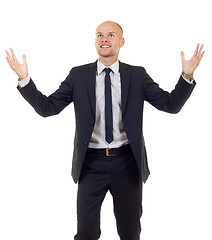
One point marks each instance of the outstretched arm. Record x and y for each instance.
(174, 101)
(45, 106)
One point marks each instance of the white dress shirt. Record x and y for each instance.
(119, 135)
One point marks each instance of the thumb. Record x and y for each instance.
(182, 56)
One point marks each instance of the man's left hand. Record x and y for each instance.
(192, 64)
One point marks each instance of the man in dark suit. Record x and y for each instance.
(109, 148)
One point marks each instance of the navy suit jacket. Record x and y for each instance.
(136, 87)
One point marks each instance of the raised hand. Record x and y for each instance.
(192, 64)
(20, 69)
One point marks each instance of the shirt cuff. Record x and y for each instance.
(22, 83)
(189, 81)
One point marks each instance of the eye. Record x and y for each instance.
(111, 35)
(99, 35)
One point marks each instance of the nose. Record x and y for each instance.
(105, 39)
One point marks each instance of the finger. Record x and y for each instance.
(182, 56)
(201, 56)
(8, 55)
(200, 51)
(10, 62)
(24, 59)
(196, 50)
(13, 55)
(7, 52)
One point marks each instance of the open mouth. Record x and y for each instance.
(105, 46)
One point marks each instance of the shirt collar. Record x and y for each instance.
(114, 67)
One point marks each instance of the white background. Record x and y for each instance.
(37, 194)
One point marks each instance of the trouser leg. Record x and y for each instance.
(126, 189)
(92, 188)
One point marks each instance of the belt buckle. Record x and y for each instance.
(108, 154)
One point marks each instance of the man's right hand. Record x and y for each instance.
(20, 69)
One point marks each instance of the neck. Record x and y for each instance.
(107, 61)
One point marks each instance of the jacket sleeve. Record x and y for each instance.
(163, 100)
(53, 104)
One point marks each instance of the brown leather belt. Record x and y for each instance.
(110, 152)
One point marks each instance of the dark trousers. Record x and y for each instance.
(119, 175)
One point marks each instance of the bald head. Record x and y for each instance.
(115, 25)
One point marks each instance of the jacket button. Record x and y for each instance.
(92, 123)
(86, 143)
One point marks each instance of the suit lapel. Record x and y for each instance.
(90, 76)
(125, 82)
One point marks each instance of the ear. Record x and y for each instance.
(122, 42)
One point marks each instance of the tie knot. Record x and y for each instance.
(107, 70)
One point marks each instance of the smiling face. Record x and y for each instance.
(109, 40)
